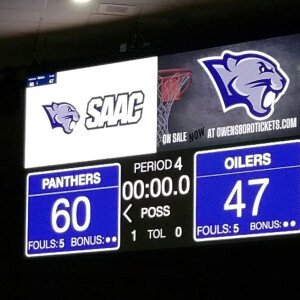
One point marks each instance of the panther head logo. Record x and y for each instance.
(249, 79)
(62, 115)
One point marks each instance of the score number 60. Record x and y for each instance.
(70, 218)
(237, 190)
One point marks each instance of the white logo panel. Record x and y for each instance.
(117, 101)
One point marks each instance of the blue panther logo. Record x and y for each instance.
(62, 115)
(249, 79)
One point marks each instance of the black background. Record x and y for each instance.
(255, 268)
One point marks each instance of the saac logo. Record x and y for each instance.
(62, 115)
(107, 111)
(249, 79)
(115, 110)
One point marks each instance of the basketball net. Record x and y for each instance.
(171, 85)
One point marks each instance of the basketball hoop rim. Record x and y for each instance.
(167, 71)
(169, 78)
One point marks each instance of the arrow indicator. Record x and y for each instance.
(125, 213)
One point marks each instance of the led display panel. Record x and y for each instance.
(174, 151)
(238, 94)
(92, 113)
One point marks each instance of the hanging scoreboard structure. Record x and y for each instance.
(165, 152)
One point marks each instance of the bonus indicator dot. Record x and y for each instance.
(285, 224)
(107, 240)
(293, 223)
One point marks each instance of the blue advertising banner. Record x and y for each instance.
(247, 191)
(75, 210)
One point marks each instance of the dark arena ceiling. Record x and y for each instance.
(56, 32)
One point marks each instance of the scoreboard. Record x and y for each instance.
(84, 210)
(247, 191)
(164, 152)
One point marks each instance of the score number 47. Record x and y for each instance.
(237, 191)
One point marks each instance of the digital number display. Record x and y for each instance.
(41, 80)
(247, 191)
(73, 210)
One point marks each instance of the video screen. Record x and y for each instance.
(165, 152)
